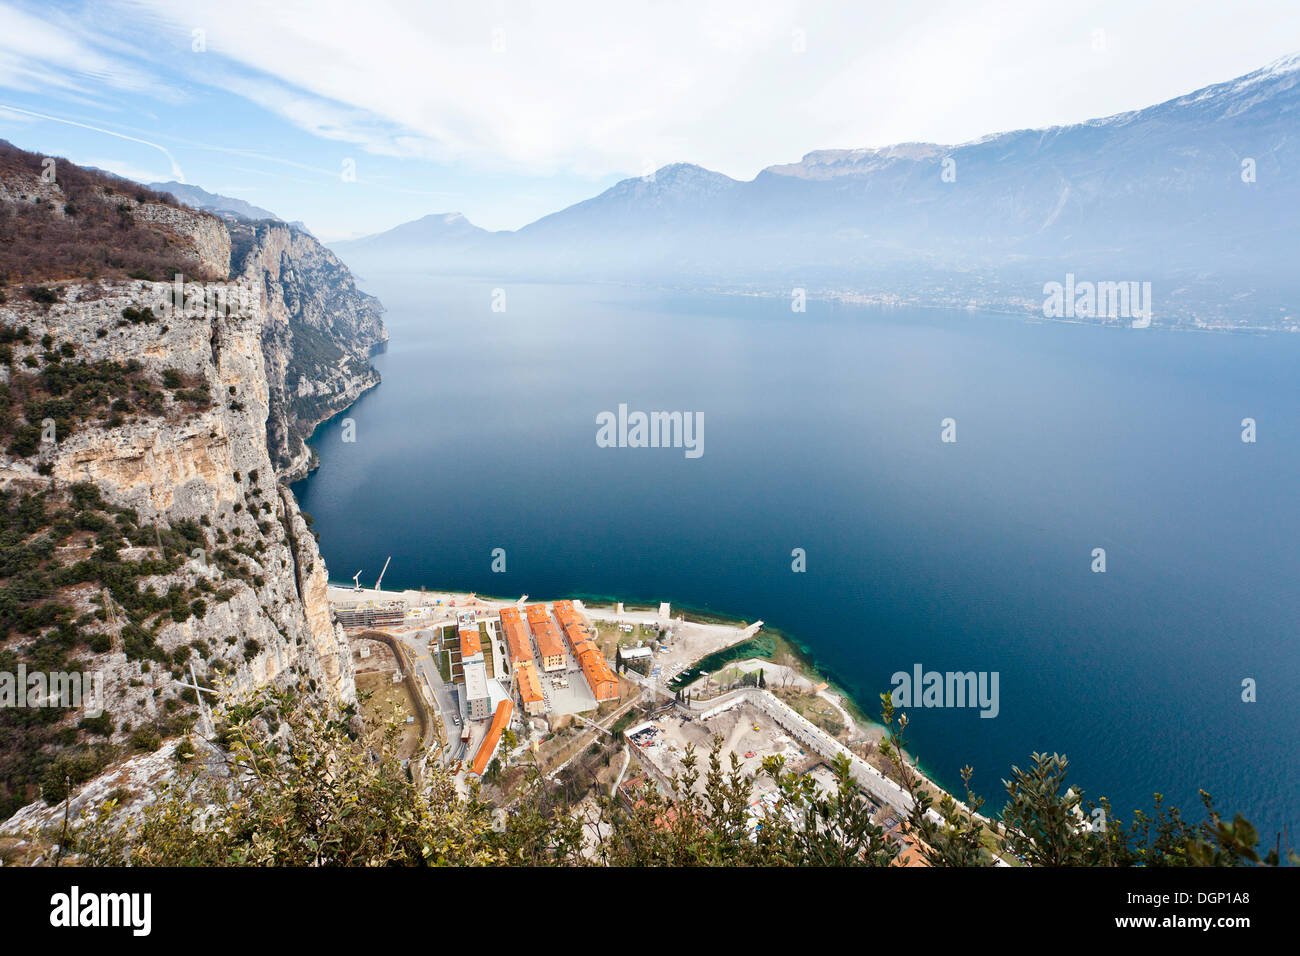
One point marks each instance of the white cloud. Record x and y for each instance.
(44, 53)
(594, 88)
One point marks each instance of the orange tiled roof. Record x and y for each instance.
(910, 855)
(602, 680)
(565, 614)
(578, 640)
(516, 636)
(470, 644)
(548, 638)
(530, 689)
(489, 745)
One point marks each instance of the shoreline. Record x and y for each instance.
(805, 664)
(851, 299)
(809, 666)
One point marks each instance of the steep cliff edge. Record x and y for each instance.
(143, 530)
(317, 337)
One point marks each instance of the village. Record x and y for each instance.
(604, 699)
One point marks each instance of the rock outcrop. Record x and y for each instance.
(212, 465)
(150, 511)
(318, 334)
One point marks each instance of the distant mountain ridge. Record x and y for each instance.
(1192, 194)
(431, 230)
(227, 207)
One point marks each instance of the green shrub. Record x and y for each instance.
(145, 740)
(101, 725)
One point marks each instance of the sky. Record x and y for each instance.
(354, 117)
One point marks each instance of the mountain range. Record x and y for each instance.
(224, 207)
(1194, 195)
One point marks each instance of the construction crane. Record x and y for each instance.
(381, 574)
(356, 581)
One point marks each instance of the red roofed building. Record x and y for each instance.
(516, 636)
(530, 689)
(470, 645)
(600, 677)
(488, 748)
(565, 614)
(549, 643)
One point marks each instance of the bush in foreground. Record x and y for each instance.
(306, 790)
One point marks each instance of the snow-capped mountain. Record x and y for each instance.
(671, 195)
(1197, 193)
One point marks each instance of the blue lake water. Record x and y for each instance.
(822, 432)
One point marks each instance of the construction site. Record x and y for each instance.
(754, 726)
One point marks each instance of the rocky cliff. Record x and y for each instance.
(144, 530)
(318, 333)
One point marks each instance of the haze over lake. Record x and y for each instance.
(822, 432)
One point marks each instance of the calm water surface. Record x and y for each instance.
(822, 432)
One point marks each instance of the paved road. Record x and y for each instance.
(442, 696)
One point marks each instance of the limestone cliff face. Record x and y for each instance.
(206, 234)
(145, 431)
(213, 465)
(318, 333)
(18, 188)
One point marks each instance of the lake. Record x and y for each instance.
(822, 431)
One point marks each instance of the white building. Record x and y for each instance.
(478, 701)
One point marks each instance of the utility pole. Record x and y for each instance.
(109, 614)
(207, 729)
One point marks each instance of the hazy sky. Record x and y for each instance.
(508, 111)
